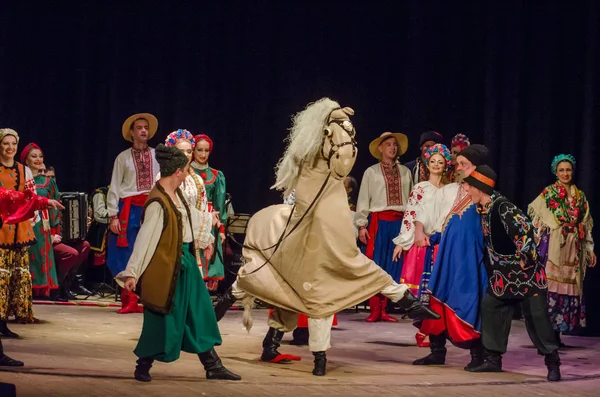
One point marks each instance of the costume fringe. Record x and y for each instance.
(247, 303)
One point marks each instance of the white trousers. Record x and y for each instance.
(319, 329)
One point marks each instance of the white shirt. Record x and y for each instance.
(373, 195)
(127, 181)
(100, 210)
(428, 205)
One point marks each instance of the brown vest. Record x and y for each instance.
(21, 234)
(157, 284)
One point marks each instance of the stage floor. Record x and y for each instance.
(87, 351)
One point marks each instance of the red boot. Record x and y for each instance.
(375, 307)
(131, 306)
(384, 316)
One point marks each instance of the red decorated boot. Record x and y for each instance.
(375, 307)
(384, 316)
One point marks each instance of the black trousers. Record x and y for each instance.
(497, 316)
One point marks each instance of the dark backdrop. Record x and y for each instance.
(520, 76)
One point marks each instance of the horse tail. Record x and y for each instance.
(248, 303)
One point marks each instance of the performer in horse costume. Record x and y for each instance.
(304, 258)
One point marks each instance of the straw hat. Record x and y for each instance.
(400, 138)
(152, 125)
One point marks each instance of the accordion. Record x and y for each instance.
(74, 216)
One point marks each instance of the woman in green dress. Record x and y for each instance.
(214, 183)
(42, 265)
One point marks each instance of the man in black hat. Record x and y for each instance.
(417, 167)
(514, 276)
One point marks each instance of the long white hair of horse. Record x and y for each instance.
(303, 142)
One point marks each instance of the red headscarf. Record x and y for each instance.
(28, 148)
(206, 138)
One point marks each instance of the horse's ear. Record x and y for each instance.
(348, 111)
(328, 132)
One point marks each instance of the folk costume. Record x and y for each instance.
(509, 240)
(215, 187)
(15, 239)
(458, 278)
(417, 167)
(459, 143)
(16, 207)
(98, 232)
(382, 200)
(563, 227)
(178, 312)
(316, 269)
(42, 265)
(132, 179)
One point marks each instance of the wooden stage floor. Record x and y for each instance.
(87, 351)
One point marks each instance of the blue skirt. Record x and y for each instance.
(384, 247)
(117, 257)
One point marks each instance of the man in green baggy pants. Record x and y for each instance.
(178, 312)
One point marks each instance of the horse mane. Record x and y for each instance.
(303, 142)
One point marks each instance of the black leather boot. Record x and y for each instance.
(552, 362)
(477, 357)
(6, 361)
(223, 304)
(437, 344)
(492, 363)
(214, 368)
(558, 340)
(142, 370)
(320, 364)
(414, 308)
(270, 345)
(300, 337)
(7, 333)
(77, 287)
(64, 287)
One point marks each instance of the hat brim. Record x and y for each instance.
(477, 184)
(152, 125)
(400, 138)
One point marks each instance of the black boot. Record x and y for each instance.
(142, 370)
(320, 364)
(214, 368)
(6, 361)
(64, 287)
(552, 362)
(476, 357)
(223, 304)
(270, 345)
(558, 340)
(414, 308)
(492, 363)
(300, 337)
(7, 333)
(77, 287)
(437, 344)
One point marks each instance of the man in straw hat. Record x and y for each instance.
(382, 199)
(178, 312)
(132, 179)
(514, 276)
(417, 167)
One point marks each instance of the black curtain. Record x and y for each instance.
(519, 76)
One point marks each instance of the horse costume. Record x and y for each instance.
(304, 259)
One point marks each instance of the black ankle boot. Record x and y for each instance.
(270, 345)
(142, 370)
(492, 363)
(223, 304)
(320, 364)
(77, 287)
(558, 340)
(6, 361)
(214, 368)
(414, 308)
(7, 333)
(300, 337)
(476, 358)
(437, 344)
(552, 362)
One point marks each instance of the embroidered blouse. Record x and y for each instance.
(133, 173)
(382, 189)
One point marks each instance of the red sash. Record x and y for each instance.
(138, 201)
(389, 216)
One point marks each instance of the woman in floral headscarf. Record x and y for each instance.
(561, 216)
(428, 205)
